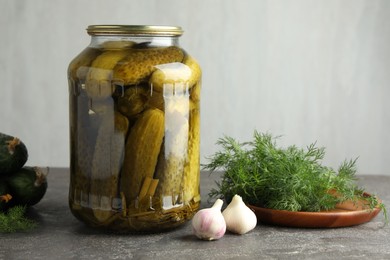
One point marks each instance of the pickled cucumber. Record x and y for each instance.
(84, 130)
(187, 73)
(142, 149)
(140, 63)
(117, 45)
(98, 82)
(191, 178)
(195, 93)
(155, 100)
(13, 154)
(170, 169)
(133, 101)
(79, 66)
(106, 164)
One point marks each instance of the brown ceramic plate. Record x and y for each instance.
(344, 215)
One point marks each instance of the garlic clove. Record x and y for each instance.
(209, 224)
(238, 217)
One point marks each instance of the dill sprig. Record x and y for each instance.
(293, 179)
(14, 220)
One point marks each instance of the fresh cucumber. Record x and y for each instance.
(27, 186)
(5, 197)
(13, 154)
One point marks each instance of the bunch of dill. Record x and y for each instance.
(285, 179)
(14, 220)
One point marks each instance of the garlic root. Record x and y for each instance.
(238, 217)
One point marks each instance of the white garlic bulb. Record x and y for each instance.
(238, 217)
(209, 224)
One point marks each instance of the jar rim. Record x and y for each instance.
(153, 30)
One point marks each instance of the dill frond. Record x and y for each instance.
(14, 220)
(291, 178)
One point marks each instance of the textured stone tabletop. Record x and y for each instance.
(61, 236)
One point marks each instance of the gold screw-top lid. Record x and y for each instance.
(153, 30)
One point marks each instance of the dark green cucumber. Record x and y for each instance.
(27, 186)
(5, 197)
(13, 154)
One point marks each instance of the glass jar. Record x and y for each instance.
(134, 97)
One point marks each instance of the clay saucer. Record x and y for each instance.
(344, 215)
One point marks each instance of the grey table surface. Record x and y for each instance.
(61, 236)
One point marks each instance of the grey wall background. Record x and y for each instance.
(307, 70)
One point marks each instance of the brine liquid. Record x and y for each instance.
(134, 136)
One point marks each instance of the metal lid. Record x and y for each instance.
(152, 30)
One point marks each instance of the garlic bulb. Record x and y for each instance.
(239, 218)
(209, 224)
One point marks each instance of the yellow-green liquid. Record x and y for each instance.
(134, 138)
